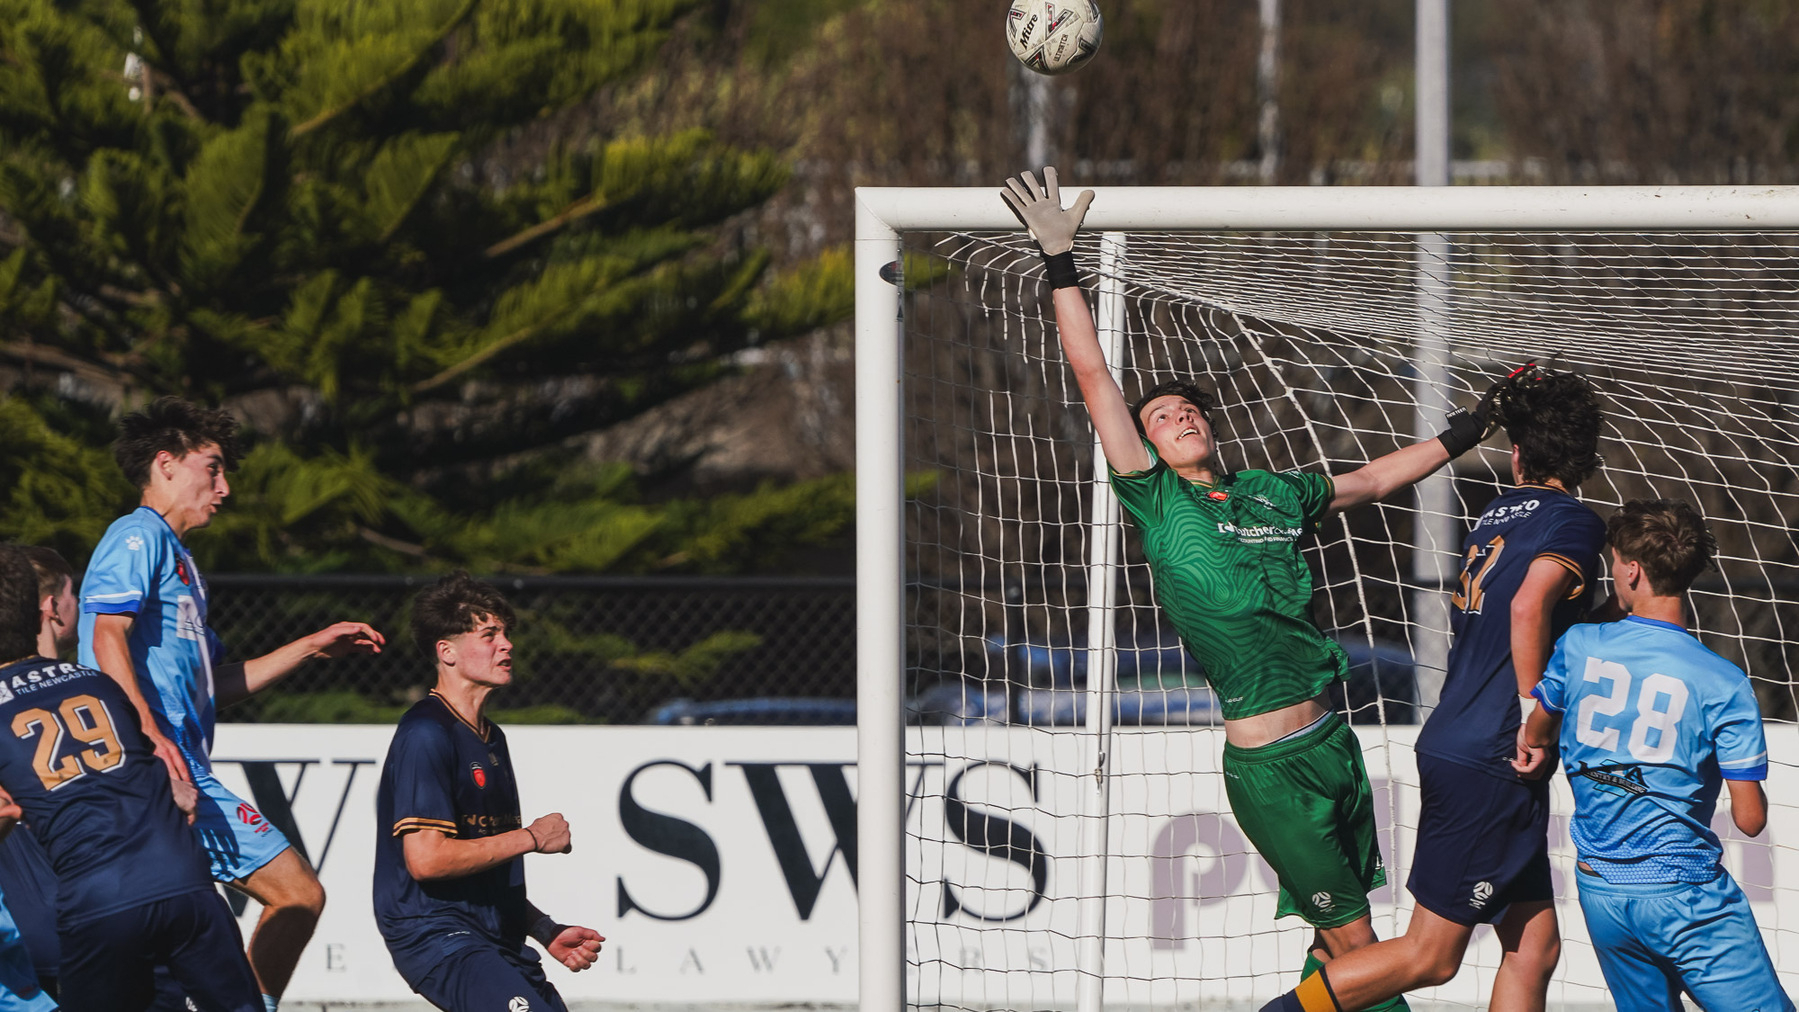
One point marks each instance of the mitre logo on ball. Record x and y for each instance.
(1054, 36)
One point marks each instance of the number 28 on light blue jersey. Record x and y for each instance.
(1652, 723)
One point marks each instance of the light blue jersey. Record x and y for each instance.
(1652, 724)
(141, 568)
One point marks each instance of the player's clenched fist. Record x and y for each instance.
(576, 947)
(551, 834)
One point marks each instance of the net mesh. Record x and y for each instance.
(1324, 354)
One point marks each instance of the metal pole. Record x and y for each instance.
(1268, 80)
(1438, 528)
(1102, 658)
(880, 619)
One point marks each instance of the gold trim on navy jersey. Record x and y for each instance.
(408, 825)
(1580, 578)
(484, 733)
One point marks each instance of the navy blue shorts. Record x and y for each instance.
(1483, 843)
(481, 978)
(108, 964)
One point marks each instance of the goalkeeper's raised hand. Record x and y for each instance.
(1050, 224)
(1468, 428)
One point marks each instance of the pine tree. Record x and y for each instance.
(295, 207)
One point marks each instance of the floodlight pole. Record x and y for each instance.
(1436, 532)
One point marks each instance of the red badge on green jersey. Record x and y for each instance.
(1220, 496)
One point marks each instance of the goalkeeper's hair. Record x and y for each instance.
(454, 605)
(1553, 418)
(175, 425)
(1185, 389)
(19, 613)
(1667, 537)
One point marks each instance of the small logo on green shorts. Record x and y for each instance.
(1323, 901)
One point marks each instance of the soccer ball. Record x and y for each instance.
(1054, 36)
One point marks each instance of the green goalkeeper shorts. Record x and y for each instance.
(1306, 805)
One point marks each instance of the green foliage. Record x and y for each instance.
(310, 203)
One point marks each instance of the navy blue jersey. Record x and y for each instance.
(444, 775)
(98, 799)
(1476, 719)
(29, 884)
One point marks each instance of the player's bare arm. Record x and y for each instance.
(1748, 806)
(1054, 228)
(431, 855)
(1383, 476)
(1542, 728)
(112, 651)
(1545, 583)
(235, 682)
(571, 945)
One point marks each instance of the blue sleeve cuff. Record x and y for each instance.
(1751, 773)
(1537, 691)
(110, 607)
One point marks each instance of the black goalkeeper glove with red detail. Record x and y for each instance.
(1468, 428)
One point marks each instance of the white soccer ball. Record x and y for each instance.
(1054, 36)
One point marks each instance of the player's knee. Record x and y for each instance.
(1436, 969)
(311, 897)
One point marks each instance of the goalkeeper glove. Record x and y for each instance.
(1468, 428)
(1041, 211)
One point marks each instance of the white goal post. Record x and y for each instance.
(1120, 215)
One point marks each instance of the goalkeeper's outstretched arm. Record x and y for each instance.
(1054, 228)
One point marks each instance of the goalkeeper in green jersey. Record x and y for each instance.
(1224, 550)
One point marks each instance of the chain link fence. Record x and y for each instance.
(587, 649)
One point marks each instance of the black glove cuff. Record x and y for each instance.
(1062, 270)
(1465, 432)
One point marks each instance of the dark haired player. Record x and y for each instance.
(1224, 549)
(25, 872)
(1529, 566)
(143, 621)
(449, 858)
(133, 889)
(1657, 724)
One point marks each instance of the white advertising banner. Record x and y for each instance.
(719, 863)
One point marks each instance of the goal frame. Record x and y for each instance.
(884, 213)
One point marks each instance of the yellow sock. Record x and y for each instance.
(1314, 994)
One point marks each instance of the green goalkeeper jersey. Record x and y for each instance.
(1230, 575)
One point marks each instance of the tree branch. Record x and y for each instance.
(327, 115)
(573, 212)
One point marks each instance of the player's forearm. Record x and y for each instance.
(1385, 475)
(1541, 728)
(1105, 402)
(433, 856)
(258, 673)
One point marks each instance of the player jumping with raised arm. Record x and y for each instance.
(1529, 567)
(1656, 724)
(133, 890)
(143, 621)
(1224, 550)
(450, 849)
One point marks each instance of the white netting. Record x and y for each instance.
(1312, 344)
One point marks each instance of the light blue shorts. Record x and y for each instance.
(1656, 939)
(235, 836)
(19, 991)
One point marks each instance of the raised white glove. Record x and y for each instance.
(1041, 210)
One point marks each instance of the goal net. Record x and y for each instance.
(1066, 841)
